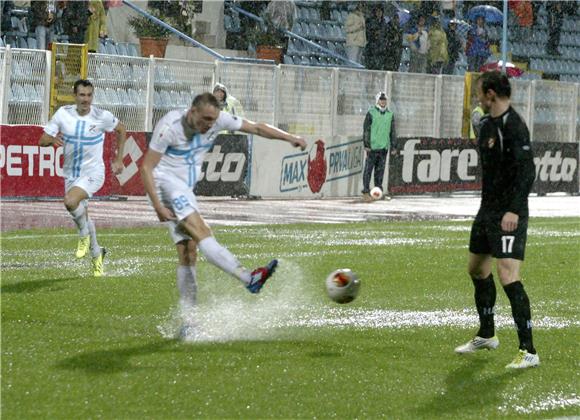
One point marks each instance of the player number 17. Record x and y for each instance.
(507, 244)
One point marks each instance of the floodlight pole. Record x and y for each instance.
(504, 37)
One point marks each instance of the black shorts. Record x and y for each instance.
(487, 236)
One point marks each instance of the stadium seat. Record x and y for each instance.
(18, 94)
(111, 97)
(31, 94)
(100, 96)
(122, 49)
(31, 43)
(132, 50)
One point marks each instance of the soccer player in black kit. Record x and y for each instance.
(500, 227)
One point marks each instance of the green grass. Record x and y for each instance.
(78, 347)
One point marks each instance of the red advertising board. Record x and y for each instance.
(28, 170)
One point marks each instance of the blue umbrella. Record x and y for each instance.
(490, 13)
(404, 16)
(463, 27)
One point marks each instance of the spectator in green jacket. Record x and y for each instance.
(97, 25)
(378, 137)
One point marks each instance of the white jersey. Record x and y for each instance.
(182, 157)
(83, 138)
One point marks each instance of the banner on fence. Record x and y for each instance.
(327, 168)
(423, 165)
(225, 167)
(28, 170)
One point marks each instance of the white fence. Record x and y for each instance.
(314, 102)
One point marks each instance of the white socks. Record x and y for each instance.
(187, 286)
(224, 259)
(79, 216)
(95, 248)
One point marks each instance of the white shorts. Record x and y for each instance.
(178, 197)
(88, 183)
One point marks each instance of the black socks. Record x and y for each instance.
(485, 301)
(522, 314)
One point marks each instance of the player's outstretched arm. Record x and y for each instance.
(48, 140)
(150, 161)
(270, 132)
(121, 133)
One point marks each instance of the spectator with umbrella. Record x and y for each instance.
(477, 48)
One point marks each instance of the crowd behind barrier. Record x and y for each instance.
(314, 102)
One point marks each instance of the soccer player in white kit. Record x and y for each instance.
(170, 171)
(80, 129)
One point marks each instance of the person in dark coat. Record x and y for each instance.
(75, 20)
(454, 47)
(42, 15)
(375, 51)
(394, 44)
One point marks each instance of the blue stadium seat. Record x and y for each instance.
(122, 49)
(111, 97)
(31, 93)
(100, 96)
(18, 93)
(132, 50)
(32, 43)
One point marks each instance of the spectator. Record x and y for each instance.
(356, 38)
(42, 15)
(97, 25)
(438, 55)
(477, 48)
(475, 123)
(378, 136)
(522, 10)
(376, 33)
(228, 103)
(75, 17)
(394, 44)
(448, 9)
(6, 24)
(454, 47)
(280, 16)
(418, 38)
(555, 18)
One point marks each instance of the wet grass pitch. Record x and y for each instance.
(78, 347)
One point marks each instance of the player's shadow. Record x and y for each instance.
(114, 360)
(468, 387)
(120, 359)
(35, 285)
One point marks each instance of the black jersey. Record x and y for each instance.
(507, 163)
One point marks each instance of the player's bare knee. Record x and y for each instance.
(508, 270)
(70, 203)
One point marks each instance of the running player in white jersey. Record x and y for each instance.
(169, 172)
(80, 129)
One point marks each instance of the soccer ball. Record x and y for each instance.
(342, 285)
(376, 193)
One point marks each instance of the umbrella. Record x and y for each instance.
(490, 13)
(462, 28)
(511, 69)
(404, 16)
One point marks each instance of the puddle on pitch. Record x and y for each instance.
(552, 401)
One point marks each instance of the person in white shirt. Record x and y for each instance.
(169, 172)
(80, 130)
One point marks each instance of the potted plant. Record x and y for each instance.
(153, 37)
(269, 43)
